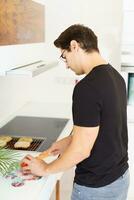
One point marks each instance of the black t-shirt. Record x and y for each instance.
(100, 99)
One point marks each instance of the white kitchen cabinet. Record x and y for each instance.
(127, 57)
(131, 159)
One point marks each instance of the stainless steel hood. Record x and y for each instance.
(31, 69)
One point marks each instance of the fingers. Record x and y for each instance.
(25, 167)
(26, 170)
(26, 161)
(25, 164)
(55, 152)
(29, 157)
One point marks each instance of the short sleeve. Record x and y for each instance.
(86, 107)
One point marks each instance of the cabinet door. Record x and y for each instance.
(131, 159)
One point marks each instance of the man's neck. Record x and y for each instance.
(92, 60)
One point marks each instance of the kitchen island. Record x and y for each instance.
(39, 189)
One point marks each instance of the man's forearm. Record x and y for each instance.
(68, 139)
(68, 159)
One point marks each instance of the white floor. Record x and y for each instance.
(66, 184)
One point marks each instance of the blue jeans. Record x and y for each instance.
(117, 190)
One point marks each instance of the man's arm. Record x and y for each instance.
(82, 142)
(59, 147)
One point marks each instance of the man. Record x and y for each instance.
(98, 143)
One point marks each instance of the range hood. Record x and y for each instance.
(31, 69)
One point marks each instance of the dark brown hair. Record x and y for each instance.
(82, 34)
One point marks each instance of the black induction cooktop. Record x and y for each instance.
(47, 129)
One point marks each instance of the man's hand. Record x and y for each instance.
(34, 166)
(60, 146)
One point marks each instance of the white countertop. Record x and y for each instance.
(39, 189)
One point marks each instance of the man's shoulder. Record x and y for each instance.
(85, 89)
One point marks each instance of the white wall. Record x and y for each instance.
(105, 17)
(13, 94)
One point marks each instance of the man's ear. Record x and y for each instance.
(74, 45)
